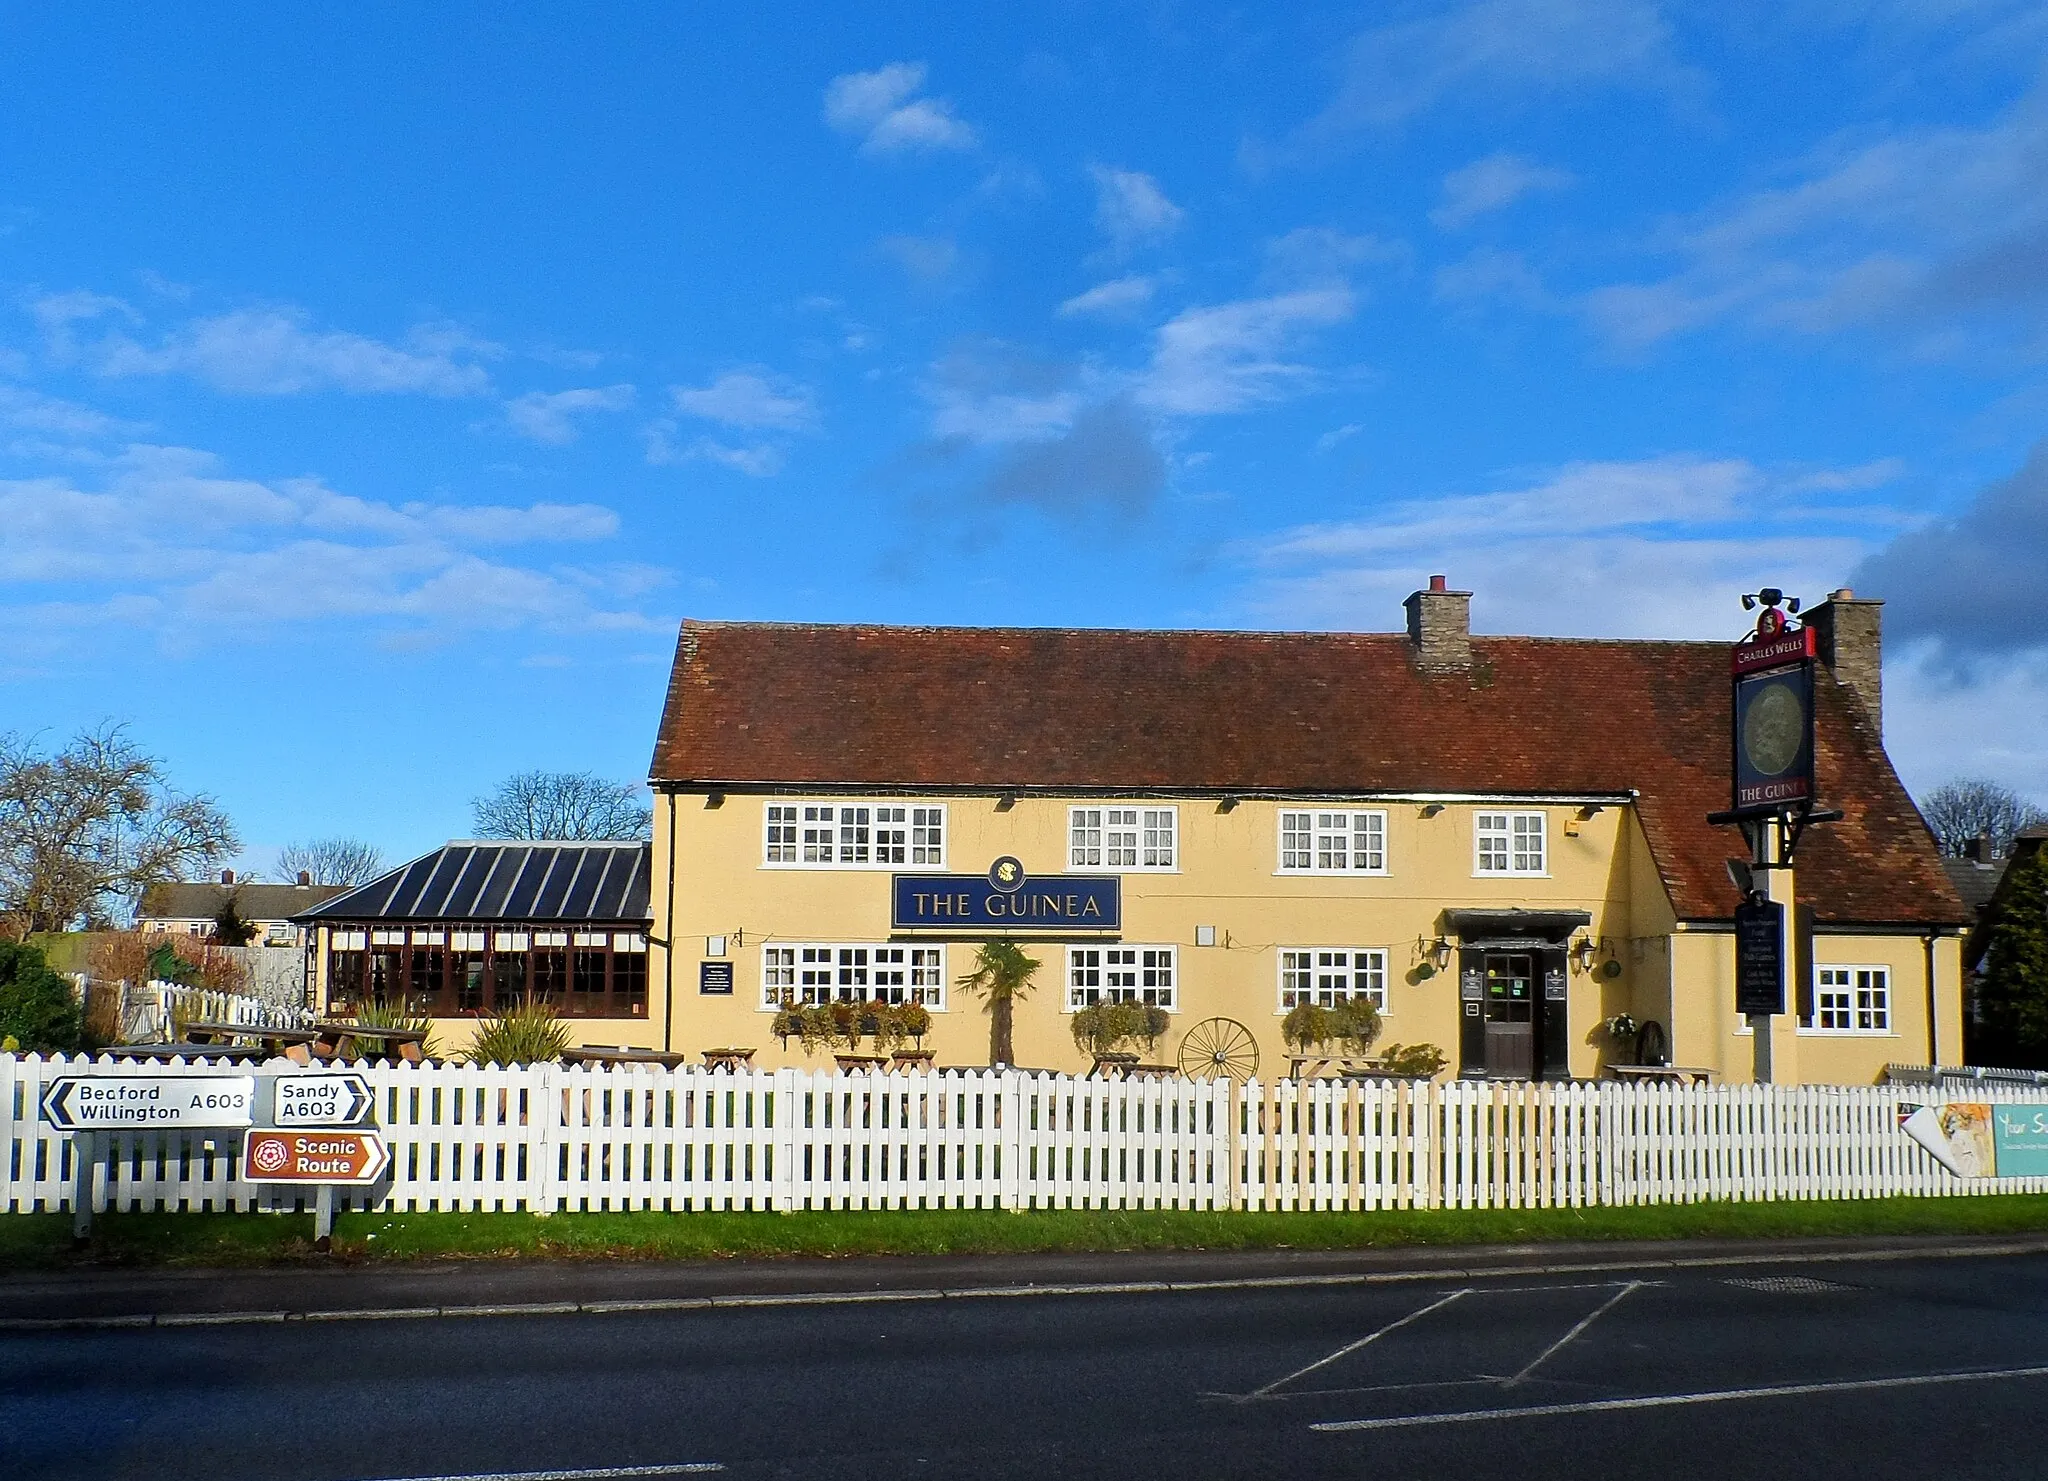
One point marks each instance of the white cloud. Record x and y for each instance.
(274, 352)
(1227, 357)
(924, 259)
(882, 108)
(550, 416)
(1317, 256)
(1488, 275)
(1118, 296)
(1131, 209)
(1659, 547)
(1498, 50)
(1937, 234)
(751, 399)
(1331, 439)
(760, 461)
(1489, 184)
(165, 544)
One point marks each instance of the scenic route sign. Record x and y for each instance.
(142, 1101)
(314, 1157)
(321, 1100)
(1981, 1139)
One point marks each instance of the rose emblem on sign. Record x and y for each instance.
(270, 1156)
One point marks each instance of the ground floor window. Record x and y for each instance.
(803, 973)
(1328, 975)
(1121, 974)
(441, 971)
(1852, 1000)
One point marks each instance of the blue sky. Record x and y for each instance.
(379, 385)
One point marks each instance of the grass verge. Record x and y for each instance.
(43, 1241)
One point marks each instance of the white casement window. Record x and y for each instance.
(1852, 1000)
(1507, 843)
(853, 835)
(1320, 842)
(1329, 975)
(781, 833)
(1125, 974)
(1123, 838)
(806, 973)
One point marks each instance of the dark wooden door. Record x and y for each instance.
(1512, 986)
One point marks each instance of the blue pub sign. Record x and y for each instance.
(1006, 899)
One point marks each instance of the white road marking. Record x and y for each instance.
(1665, 1401)
(1351, 1347)
(1591, 1317)
(601, 1473)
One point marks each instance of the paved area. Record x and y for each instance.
(1867, 1369)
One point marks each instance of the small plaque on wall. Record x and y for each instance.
(714, 979)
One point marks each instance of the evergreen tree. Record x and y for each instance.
(2015, 992)
(38, 1009)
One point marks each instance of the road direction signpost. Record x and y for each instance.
(321, 1100)
(89, 1106)
(324, 1159)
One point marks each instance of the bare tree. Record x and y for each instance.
(90, 827)
(562, 804)
(1972, 807)
(347, 861)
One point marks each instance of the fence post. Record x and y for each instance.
(542, 1106)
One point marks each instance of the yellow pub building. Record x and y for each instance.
(1502, 842)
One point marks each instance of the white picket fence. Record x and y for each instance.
(554, 1138)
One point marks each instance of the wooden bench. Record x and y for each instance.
(240, 1053)
(1661, 1074)
(292, 1043)
(607, 1054)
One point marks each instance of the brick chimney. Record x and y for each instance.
(1440, 629)
(227, 876)
(1851, 637)
(305, 878)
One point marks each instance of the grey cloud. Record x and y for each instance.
(1106, 458)
(1976, 583)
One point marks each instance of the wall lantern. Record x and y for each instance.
(1436, 955)
(1582, 953)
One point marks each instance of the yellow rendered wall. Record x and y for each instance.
(1228, 879)
(1711, 1034)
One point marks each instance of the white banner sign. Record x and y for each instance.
(145, 1100)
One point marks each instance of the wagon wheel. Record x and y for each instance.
(1219, 1046)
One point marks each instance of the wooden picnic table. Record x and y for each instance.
(1312, 1066)
(913, 1059)
(620, 1054)
(728, 1059)
(189, 1051)
(859, 1064)
(1127, 1067)
(410, 1043)
(1662, 1074)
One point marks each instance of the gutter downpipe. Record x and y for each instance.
(668, 949)
(1933, 1005)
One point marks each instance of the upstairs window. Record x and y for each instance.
(1508, 843)
(1320, 842)
(1123, 838)
(853, 835)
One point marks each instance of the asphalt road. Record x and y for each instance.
(1923, 1369)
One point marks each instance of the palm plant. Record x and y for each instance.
(1002, 973)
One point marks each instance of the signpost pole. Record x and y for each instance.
(1775, 1061)
(85, 1156)
(323, 1217)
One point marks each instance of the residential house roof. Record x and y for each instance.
(254, 902)
(499, 879)
(767, 706)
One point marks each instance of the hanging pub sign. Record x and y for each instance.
(1773, 720)
(1006, 899)
(1759, 957)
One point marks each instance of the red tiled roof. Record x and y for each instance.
(999, 709)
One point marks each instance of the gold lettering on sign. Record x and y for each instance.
(1091, 907)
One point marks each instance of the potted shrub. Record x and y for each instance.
(1108, 1030)
(1413, 1061)
(911, 1021)
(816, 1026)
(529, 1032)
(1307, 1028)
